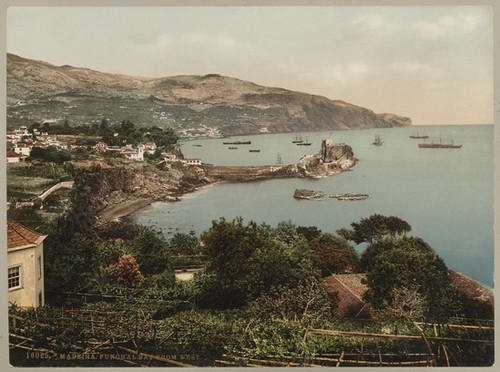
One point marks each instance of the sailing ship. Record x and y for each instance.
(297, 139)
(439, 145)
(304, 143)
(279, 161)
(377, 141)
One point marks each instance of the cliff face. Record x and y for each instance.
(38, 91)
(110, 192)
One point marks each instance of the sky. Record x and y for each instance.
(433, 64)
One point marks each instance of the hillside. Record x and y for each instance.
(38, 91)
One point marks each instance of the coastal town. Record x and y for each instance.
(22, 142)
(92, 184)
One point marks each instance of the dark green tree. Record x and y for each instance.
(152, 255)
(244, 261)
(410, 263)
(309, 232)
(332, 254)
(374, 228)
(185, 244)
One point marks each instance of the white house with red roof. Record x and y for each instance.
(14, 157)
(25, 265)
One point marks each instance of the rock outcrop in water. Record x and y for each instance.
(332, 159)
(308, 194)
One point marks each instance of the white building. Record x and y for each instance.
(23, 149)
(194, 161)
(133, 154)
(25, 266)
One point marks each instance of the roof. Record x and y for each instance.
(13, 154)
(349, 289)
(353, 283)
(471, 287)
(19, 236)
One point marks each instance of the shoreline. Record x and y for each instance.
(133, 205)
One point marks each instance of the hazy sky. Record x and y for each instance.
(431, 63)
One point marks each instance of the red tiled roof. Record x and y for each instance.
(20, 236)
(13, 154)
(471, 287)
(350, 290)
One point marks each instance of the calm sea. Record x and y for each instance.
(445, 194)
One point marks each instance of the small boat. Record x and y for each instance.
(418, 136)
(439, 145)
(350, 196)
(237, 143)
(297, 139)
(232, 148)
(197, 145)
(253, 150)
(377, 141)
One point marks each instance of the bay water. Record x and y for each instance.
(446, 195)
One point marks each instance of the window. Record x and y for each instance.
(39, 267)
(14, 277)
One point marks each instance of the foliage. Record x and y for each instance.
(407, 262)
(245, 261)
(123, 229)
(55, 172)
(151, 252)
(126, 272)
(50, 154)
(375, 228)
(333, 255)
(70, 265)
(200, 336)
(184, 244)
(308, 303)
(309, 232)
(407, 302)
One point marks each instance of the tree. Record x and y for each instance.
(125, 272)
(374, 228)
(309, 232)
(333, 255)
(407, 303)
(407, 263)
(70, 265)
(151, 253)
(50, 154)
(185, 244)
(244, 261)
(307, 302)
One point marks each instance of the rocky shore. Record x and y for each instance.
(124, 191)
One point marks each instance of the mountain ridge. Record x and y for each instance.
(38, 91)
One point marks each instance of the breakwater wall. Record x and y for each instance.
(249, 173)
